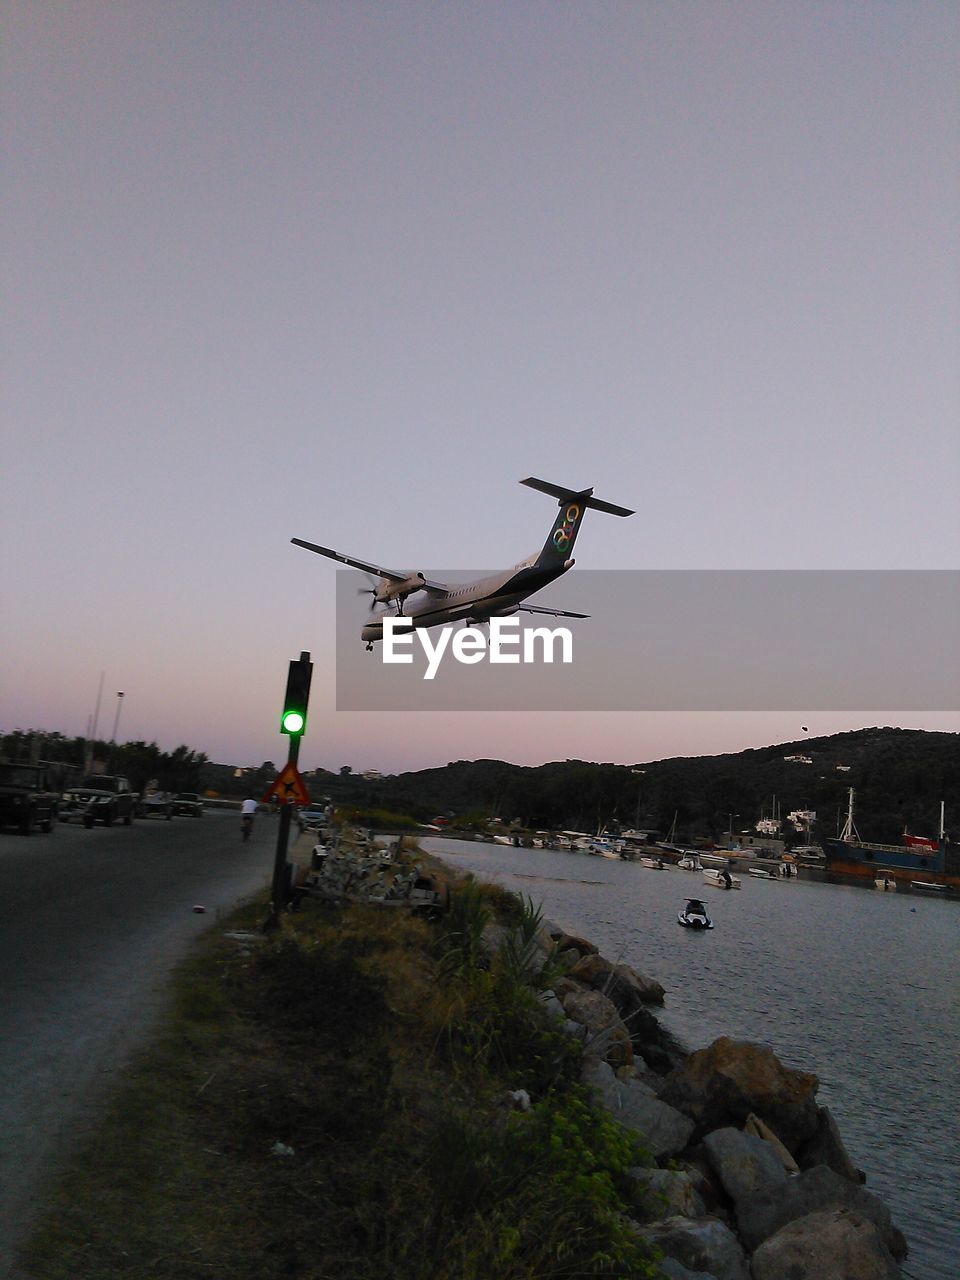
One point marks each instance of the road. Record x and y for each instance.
(91, 923)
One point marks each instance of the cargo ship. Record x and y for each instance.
(919, 862)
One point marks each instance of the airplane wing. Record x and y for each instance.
(557, 613)
(391, 575)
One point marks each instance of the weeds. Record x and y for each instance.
(325, 1105)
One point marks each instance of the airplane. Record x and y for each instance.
(499, 595)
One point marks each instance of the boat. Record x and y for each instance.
(690, 862)
(849, 859)
(761, 873)
(600, 847)
(694, 915)
(927, 886)
(718, 859)
(720, 878)
(885, 883)
(809, 854)
(655, 864)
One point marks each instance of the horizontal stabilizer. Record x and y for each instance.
(580, 495)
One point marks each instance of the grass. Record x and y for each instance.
(328, 1104)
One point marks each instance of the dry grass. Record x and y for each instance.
(335, 1040)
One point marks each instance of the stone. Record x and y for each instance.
(581, 945)
(756, 1126)
(810, 1192)
(826, 1147)
(625, 986)
(607, 1036)
(662, 1130)
(746, 1166)
(552, 1004)
(699, 1244)
(833, 1242)
(722, 1084)
(667, 1193)
(673, 1270)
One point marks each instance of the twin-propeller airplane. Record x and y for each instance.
(497, 596)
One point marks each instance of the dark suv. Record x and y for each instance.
(100, 798)
(25, 801)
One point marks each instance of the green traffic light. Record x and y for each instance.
(293, 722)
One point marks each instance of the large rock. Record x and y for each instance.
(607, 1037)
(667, 1193)
(674, 1270)
(826, 1147)
(627, 988)
(810, 1192)
(747, 1166)
(833, 1242)
(722, 1084)
(568, 941)
(700, 1244)
(662, 1130)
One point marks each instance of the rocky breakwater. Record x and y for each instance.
(751, 1177)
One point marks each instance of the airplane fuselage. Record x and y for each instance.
(497, 595)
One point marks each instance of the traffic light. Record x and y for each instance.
(294, 718)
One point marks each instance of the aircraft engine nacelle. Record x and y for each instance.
(400, 590)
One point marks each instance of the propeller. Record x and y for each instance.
(376, 585)
(369, 591)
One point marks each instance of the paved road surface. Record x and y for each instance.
(91, 923)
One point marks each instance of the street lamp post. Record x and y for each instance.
(116, 718)
(730, 829)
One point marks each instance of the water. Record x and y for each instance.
(856, 986)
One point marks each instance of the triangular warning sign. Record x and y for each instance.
(288, 787)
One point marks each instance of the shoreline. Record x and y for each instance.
(741, 1199)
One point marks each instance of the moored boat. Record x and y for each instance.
(886, 884)
(690, 862)
(654, 864)
(931, 861)
(720, 878)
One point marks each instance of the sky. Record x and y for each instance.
(347, 272)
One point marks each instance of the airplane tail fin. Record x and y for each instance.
(566, 525)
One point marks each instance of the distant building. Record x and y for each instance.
(798, 759)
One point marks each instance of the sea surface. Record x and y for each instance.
(862, 988)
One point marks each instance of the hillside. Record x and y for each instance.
(900, 776)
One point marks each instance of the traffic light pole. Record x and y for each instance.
(281, 868)
(292, 722)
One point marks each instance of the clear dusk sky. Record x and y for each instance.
(348, 271)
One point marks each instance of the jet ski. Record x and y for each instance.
(694, 915)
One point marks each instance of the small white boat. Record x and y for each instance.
(690, 862)
(694, 915)
(927, 886)
(720, 878)
(655, 864)
(761, 873)
(886, 884)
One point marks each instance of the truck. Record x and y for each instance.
(100, 797)
(26, 800)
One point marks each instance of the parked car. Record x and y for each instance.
(158, 804)
(312, 816)
(188, 803)
(25, 801)
(99, 798)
